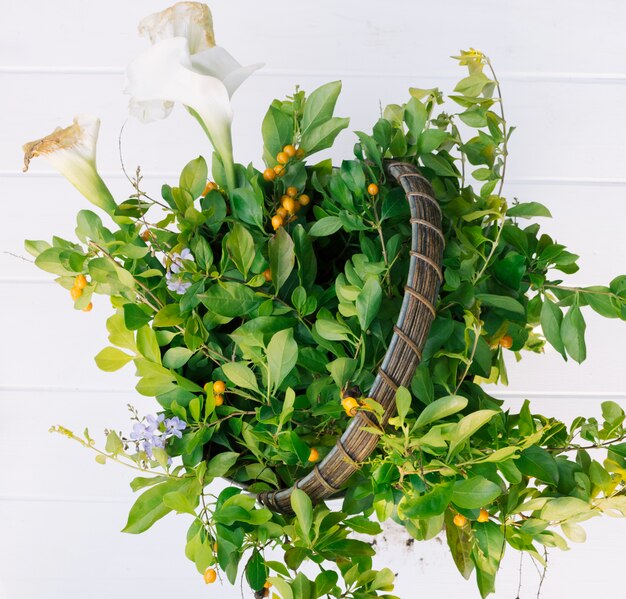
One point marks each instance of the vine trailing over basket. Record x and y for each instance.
(256, 308)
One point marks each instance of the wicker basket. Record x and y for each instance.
(404, 352)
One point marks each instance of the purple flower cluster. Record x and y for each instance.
(155, 431)
(174, 275)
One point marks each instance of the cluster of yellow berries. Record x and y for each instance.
(80, 282)
(219, 388)
(460, 520)
(290, 203)
(283, 157)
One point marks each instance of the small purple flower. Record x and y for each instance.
(176, 284)
(174, 426)
(177, 260)
(154, 421)
(139, 432)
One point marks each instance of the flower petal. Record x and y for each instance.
(191, 20)
(152, 110)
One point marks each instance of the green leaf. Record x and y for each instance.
(467, 426)
(325, 582)
(573, 334)
(277, 130)
(241, 375)
(415, 116)
(342, 370)
(111, 359)
(230, 299)
(168, 316)
(240, 248)
(180, 502)
(325, 226)
(439, 165)
(528, 210)
(147, 345)
(440, 408)
(539, 463)
(562, 508)
(303, 508)
(427, 505)
(403, 402)
(248, 206)
(149, 506)
(282, 257)
(368, 302)
(135, 317)
(320, 105)
(176, 357)
(460, 541)
(474, 492)
(282, 355)
(551, 319)
(502, 302)
(193, 178)
(323, 136)
(221, 464)
(256, 571)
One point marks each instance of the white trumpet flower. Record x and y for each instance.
(72, 152)
(184, 65)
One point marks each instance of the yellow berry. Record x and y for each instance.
(506, 341)
(80, 282)
(267, 585)
(76, 292)
(277, 222)
(210, 575)
(282, 158)
(314, 455)
(372, 189)
(460, 520)
(350, 405)
(300, 154)
(289, 204)
(296, 206)
(282, 212)
(219, 400)
(146, 235)
(210, 186)
(279, 169)
(289, 150)
(88, 307)
(269, 174)
(267, 275)
(292, 192)
(483, 516)
(304, 199)
(219, 387)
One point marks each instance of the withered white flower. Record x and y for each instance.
(184, 65)
(72, 152)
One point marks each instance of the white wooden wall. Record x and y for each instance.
(563, 68)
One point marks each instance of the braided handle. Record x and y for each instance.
(405, 349)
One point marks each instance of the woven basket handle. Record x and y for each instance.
(404, 352)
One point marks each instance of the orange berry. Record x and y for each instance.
(483, 516)
(219, 387)
(80, 282)
(304, 199)
(277, 222)
(279, 169)
(350, 405)
(146, 235)
(269, 174)
(210, 186)
(300, 154)
(267, 275)
(292, 192)
(289, 150)
(460, 520)
(314, 455)
(282, 212)
(506, 341)
(210, 575)
(267, 585)
(76, 292)
(88, 307)
(372, 189)
(282, 158)
(289, 204)
(215, 547)
(219, 400)
(296, 206)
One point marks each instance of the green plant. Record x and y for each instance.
(247, 303)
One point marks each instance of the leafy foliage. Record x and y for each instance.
(289, 317)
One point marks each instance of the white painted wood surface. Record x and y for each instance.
(563, 69)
